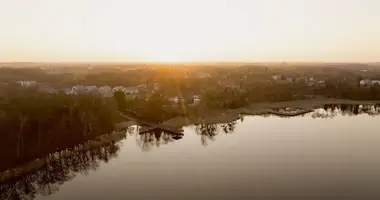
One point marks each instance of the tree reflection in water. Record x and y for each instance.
(59, 168)
(63, 166)
(209, 131)
(148, 140)
(46, 175)
(333, 110)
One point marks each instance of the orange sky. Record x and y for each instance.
(190, 30)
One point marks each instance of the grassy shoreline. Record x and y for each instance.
(214, 116)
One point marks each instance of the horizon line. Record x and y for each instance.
(188, 62)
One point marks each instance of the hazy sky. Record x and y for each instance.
(190, 30)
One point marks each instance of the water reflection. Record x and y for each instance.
(209, 131)
(60, 167)
(333, 110)
(57, 169)
(156, 138)
(47, 174)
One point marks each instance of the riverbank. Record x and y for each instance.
(214, 116)
(38, 163)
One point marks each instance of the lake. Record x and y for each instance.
(331, 153)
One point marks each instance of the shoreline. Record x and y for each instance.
(205, 116)
(215, 116)
(38, 163)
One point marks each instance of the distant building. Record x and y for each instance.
(118, 88)
(277, 77)
(92, 89)
(174, 99)
(27, 83)
(106, 91)
(368, 82)
(365, 82)
(316, 84)
(142, 86)
(131, 90)
(321, 84)
(78, 89)
(68, 91)
(197, 99)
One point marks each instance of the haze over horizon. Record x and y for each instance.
(189, 30)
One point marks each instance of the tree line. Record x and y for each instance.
(32, 123)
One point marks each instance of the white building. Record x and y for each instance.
(27, 83)
(277, 77)
(118, 88)
(131, 90)
(92, 89)
(368, 82)
(68, 91)
(174, 99)
(197, 99)
(142, 86)
(78, 89)
(375, 82)
(106, 91)
(365, 82)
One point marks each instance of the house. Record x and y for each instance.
(68, 91)
(277, 77)
(174, 99)
(27, 83)
(142, 86)
(131, 90)
(197, 99)
(186, 99)
(78, 89)
(368, 82)
(321, 84)
(365, 82)
(118, 88)
(316, 84)
(105, 91)
(92, 89)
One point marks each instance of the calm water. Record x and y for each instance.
(322, 155)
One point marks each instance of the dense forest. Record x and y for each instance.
(31, 122)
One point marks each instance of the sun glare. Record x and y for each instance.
(167, 57)
(187, 30)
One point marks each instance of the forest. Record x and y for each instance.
(33, 122)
